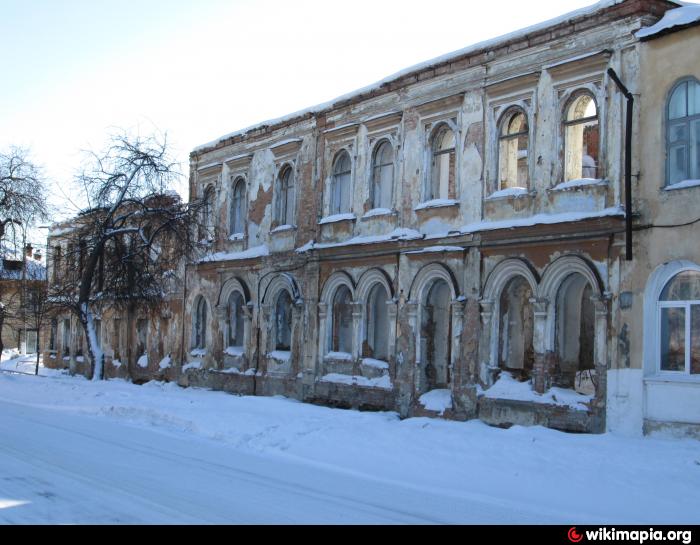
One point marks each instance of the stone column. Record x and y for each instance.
(297, 337)
(600, 346)
(322, 334)
(392, 311)
(457, 363)
(541, 372)
(357, 312)
(488, 347)
(413, 358)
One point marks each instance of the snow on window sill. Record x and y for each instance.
(283, 229)
(237, 236)
(280, 355)
(685, 184)
(379, 212)
(338, 356)
(436, 203)
(236, 351)
(197, 364)
(375, 364)
(337, 217)
(579, 184)
(510, 193)
(198, 352)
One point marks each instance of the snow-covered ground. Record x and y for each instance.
(73, 451)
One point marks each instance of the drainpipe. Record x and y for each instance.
(628, 162)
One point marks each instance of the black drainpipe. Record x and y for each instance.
(628, 162)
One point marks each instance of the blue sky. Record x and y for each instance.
(75, 69)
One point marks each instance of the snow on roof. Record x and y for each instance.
(34, 271)
(469, 50)
(687, 14)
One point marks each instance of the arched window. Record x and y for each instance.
(513, 150)
(237, 212)
(341, 331)
(340, 184)
(382, 175)
(442, 166)
(435, 336)
(235, 320)
(285, 197)
(679, 324)
(581, 138)
(376, 324)
(199, 321)
(515, 344)
(283, 322)
(683, 139)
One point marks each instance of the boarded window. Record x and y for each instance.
(235, 320)
(283, 321)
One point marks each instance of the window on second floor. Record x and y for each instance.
(581, 138)
(382, 175)
(441, 184)
(285, 196)
(513, 143)
(237, 212)
(683, 139)
(341, 184)
(206, 227)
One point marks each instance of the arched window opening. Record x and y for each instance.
(513, 150)
(679, 324)
(199, 322)
(442, 168)
(285, 197)
(383, 175)
(516, 353)
(575, 335)
(235, 320)
(435, 336)
(683, 139)
(283, 322)
(206, 226)
(376, 324)
(341, 332)
(581, 139)
(341, 184)
(237, 212)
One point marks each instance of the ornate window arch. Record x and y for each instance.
(683, 132)
(237, 207)
(341, 183)
(581, 126)
(382, 179)
(513, 149)
(336, 312)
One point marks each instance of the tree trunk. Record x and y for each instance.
(38, 350)
(94, 351)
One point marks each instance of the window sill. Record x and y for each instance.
(237, 237)
(234, 352)
(681, 378)
(510, 194)
(379, 213)
(283, 229)
(281, 356)
(344, 357)
(578, 185)
(436, 203)
(337, 218)
(685, 184)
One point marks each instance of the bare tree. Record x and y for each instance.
(126, 247)
(37, 311)
(22, 190)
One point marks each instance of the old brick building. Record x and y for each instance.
(451, 240)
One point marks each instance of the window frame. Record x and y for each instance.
(376, 174)
(506, 117)
(286, 195)
(566, 123)
(687, 120)
(438, 131)
(336, 192)
(237, 215)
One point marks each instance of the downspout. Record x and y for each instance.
(628, 162)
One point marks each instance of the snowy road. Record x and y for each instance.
(72, 451)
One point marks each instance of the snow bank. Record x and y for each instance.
(437, 400)
(679, 17)
(507, 387)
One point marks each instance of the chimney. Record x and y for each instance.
(28, 250)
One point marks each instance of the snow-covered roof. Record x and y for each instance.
(443, 59)
(12, 269)
(674, 19)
